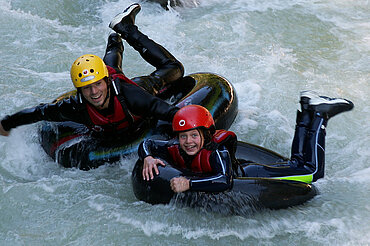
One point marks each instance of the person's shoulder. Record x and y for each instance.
(221, 135)
(125, 86)
(111, 70)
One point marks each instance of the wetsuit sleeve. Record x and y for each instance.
(141, 103)
(155, 148)
(222, 180)
(66, 110)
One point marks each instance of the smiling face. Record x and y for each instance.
(191, 141)
(96, 93)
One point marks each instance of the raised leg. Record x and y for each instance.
(308, 148)
(114, 52)
(322, 109)
(168, 68)
(314, 153)
(298, 144)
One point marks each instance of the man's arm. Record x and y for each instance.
(66, 110)
(141, 103)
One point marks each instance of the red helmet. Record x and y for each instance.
(192, 117)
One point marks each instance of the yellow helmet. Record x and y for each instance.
(88, 69)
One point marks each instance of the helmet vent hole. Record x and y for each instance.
(80, 75)
(91, 70)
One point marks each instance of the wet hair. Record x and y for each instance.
(207, 136)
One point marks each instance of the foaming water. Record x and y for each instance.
(269, 50)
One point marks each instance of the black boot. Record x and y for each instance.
(327, 107)
(126, 17)
(114, 52)
(315, 146)
(305, 100)
(298, 145)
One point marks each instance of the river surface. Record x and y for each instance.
(269, 49)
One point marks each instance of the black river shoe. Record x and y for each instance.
(326, 105)
(126, 17)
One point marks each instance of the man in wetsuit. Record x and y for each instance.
(107, 101)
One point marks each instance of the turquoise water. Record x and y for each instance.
(270, 50)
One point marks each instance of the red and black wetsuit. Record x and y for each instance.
(212, 165)
(128, 106)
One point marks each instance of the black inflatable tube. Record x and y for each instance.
(70, 145)
(252, 192)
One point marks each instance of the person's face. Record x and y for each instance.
(96, 93)
(191, 141)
